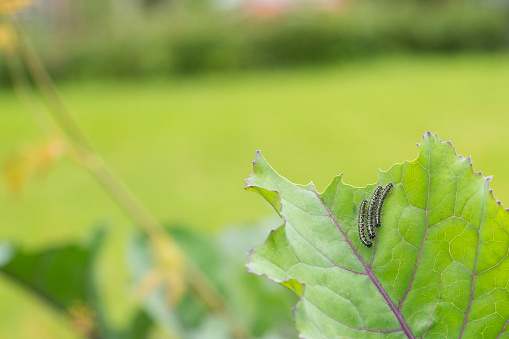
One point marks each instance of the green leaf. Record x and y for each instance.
(63, 277)
(261, 305)
(438, 267)
(139, 327)
(140, 263)
(257, 306)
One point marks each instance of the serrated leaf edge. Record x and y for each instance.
(369, 272)
(397, 312)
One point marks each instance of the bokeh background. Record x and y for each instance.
(178, 95)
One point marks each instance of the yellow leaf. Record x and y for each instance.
(147, 284)
(8, 38)
(171, 263)
(49, 152)
(168, 272)
(82, 318)
(11, 6)
(32, 160)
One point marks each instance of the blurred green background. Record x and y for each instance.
(177, 98)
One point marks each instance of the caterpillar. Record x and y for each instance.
(362, 223)
(372, 208)
(381, 198)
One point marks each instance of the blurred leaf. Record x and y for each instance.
(142, 265)
(139, 327)
(6, 253)
(11, 6)
(161, 268)
(211, 327)
(262, 307)
(63, 277)
(170, 269)
(8, 39)
(441, 263)
(32, 160)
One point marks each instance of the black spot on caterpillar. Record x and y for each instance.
(372, 208)
(381, 198)
(363, 214)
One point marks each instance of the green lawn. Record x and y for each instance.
(185, 146)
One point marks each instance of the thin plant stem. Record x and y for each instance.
(45, 85)
(24, 92)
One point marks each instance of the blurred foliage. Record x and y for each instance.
(256, 304)
(170, 41)
(9, 6)
(31, 160)
(7, 37)
(65, 278)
